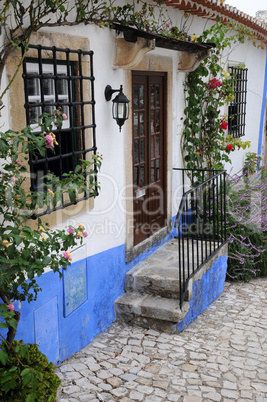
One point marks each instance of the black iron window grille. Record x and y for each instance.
(237, 107)
(56, 78)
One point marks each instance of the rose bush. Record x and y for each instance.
(207, 90)
(27, 246)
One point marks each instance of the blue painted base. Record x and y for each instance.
(205, 291)
(69, 313)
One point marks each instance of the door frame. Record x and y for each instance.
(157, 64)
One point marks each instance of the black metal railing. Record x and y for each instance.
(200, 221)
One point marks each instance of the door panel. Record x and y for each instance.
(148, 153)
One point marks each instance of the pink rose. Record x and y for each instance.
(49, 141)
(70, 230)
(10, 307)
(21, 164)
(85, 234)
(67, 255)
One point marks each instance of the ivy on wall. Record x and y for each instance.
(207, 90)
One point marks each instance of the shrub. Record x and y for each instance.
(26, 375)
(246, 222)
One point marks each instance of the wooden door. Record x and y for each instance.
(149, 175)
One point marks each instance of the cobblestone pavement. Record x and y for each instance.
(221, 356)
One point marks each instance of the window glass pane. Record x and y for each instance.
(136, 151)
(152, 146)
(135, 97)
(62, 86)
(49, 109)
(152, 96)
(142, 175)
(33, 86)
(142, 149)
(157, 121)
(34, 113)
(48, 85)
(152, 121)
(141, 96)
(141, 124)
(152, 171)
(157, 145)
(158, 171)
(66, 142)
(136, 176)
(157, 95)
(135, 121)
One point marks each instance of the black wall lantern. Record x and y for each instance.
(120, 109)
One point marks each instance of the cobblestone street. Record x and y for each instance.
(221, 356)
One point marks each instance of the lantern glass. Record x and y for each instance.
(120, 108)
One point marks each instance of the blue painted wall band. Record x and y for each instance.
(61, 330)
(61, 321)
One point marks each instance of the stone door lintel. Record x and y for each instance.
(128, 54)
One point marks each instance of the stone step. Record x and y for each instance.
(151, 298)
(150, 311)
(161, 281)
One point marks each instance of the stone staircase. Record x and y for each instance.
(151, 298)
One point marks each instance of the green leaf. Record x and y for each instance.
(78, 168)
(13, 323)
(6, 378)
(25, 371)
(72, 195)
(3, 357)
(24, 350)
(18, 240)
(26, 379)
(11, 250)
(30, 398)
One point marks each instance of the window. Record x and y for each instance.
(61, 78)
(237, 108)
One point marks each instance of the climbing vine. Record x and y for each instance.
(207, 89)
